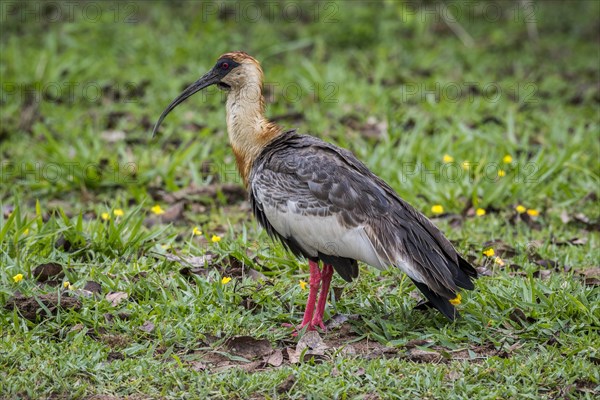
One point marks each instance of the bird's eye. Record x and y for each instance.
(225, 65)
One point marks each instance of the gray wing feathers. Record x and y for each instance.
(317, 179)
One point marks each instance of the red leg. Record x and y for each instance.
(313, 284)
(326, 275)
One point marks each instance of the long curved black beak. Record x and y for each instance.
(210, 78)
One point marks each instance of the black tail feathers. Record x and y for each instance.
(464, 274)
(463, 279)
(442, 304)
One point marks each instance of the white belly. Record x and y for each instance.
(326, 235)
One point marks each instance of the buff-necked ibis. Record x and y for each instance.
(324, 204)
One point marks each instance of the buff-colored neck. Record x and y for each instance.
(248, 128)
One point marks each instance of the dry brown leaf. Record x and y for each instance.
(252, 366)
(548, 264)
(311, 344)
(338, 320)
(501, 249)
(453, 375)
(116, 298)
(575, 241)
(293, 356)
(76, 328)
(591, 276)
(275, 359)
(578, 241)
(173, 213)
(235, 268)
(589, 272)
(197, 366)
(347, 350)
(256, 275)
(193, 263)
(543, 274)
(147, 327)
(589, 225)
(312, 341)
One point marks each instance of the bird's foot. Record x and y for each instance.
(312, 326)
(317, 323)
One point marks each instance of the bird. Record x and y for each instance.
(323, 204)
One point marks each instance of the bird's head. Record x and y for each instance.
(232, 72)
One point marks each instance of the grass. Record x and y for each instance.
(80, 93)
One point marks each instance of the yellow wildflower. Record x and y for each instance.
(499, 261)
(456, 301)
(501, 173)
(480, 212)
(466, 165)
(215, 238)
(437, 209)
(507, 159)
(489, 252)
(118, 212)
(225, 280)
(157, 209)
(532, 212)
(302, 284)
(18, 278)
(105, 216)
(447, 159)
(520, 209)
(67, 285)
(196, 231)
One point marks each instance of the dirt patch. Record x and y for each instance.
(115, 356)
(115, 341)
(48, 271)
(286, 385)
(248, 347)
(251, 354)
(42, 306)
